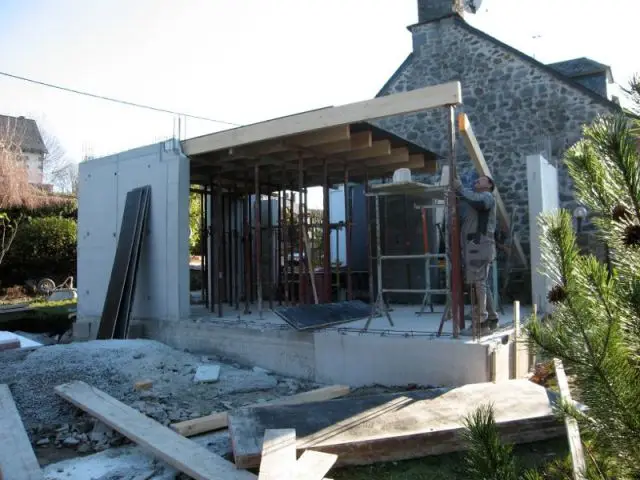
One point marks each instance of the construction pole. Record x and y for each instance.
(369, 244)
(347, 221)
(292, 245)
(457, 301)
(279, 248)
(301, 270)
(203, 243)
(217, 237)
(285, 241)
(247, 253)
(271, 237)
(326, 235)
(236, 252)
(258, 255)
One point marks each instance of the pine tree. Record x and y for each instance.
(595, 324)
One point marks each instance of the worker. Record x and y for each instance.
(478, 225)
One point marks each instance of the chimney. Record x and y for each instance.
(430, 10)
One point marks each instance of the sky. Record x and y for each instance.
(243, 61)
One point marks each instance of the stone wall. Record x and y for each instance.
(516, 106)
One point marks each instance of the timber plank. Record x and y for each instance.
(406, 102)
(388, 427)
(573, 431)
(278, 455)
(17, 460)
(218, 420)
(164, 443)
(314, 465)
(480, 163)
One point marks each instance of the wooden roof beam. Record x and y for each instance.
(380, 107)
(471, 142)
(325, 136)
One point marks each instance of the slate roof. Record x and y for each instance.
(579, 67)
(28, 129)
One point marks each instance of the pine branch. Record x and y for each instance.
(488, 458)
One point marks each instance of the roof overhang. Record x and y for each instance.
(283, 150)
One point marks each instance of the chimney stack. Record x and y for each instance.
(430, 10)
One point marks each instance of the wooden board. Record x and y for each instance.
(381, 107)
(379, 428)
(17, 460)
(480, 163)
(573, 432)
(278, 455)
(164, 443)
(314, 465)
(217, 421)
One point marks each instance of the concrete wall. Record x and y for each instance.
(357, 360)
(542, 178)
(162, 290)
(397, 360)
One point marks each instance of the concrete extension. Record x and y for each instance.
(407, 353)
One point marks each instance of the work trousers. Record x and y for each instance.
(478, 255)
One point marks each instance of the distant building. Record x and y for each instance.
(29, 139)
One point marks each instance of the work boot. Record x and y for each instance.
(482, 330)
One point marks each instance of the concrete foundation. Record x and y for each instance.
(409, 352)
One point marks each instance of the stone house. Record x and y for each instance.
(31, 143)
(517, 105)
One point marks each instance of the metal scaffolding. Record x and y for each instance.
(425, 194)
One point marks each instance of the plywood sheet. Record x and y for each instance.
(378, 428)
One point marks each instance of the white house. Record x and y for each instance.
(25, 131)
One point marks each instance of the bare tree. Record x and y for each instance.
(16, 193)
(59, 169)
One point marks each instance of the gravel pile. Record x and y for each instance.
(115, 366)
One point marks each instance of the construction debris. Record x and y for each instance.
(207, 374)
(167, 445)
(114, 366)
(379, 428)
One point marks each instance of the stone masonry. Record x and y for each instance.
(516, 106)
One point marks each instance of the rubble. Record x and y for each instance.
(207, 374)
(147, 375)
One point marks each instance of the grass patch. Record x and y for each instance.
(42, 317)
(449, 467)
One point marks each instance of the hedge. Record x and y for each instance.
(43, 247)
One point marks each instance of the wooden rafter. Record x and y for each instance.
(397, 104)
(480, 163)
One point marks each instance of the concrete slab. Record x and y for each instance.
(11, 340)
(207, 374)
(389, 427)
